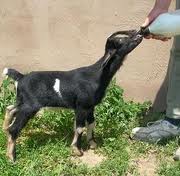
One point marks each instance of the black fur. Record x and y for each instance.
(80, 89)
(14, 74)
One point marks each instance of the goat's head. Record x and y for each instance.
(120, 44)
(123, 41)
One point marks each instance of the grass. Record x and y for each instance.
(44, 145)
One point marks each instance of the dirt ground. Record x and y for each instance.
(146, 165)
(89, 158)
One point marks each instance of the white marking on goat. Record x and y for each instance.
(16, 85)
(78, 131)
(5, 72)
(57, 87)
(75, 138)
(12, 122)
(10, 107)
(8, 117)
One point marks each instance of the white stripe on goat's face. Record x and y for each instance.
(56, 87)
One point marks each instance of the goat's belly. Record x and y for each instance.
(56, 102)
(52, 108)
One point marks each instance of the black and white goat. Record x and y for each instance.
(79, 89)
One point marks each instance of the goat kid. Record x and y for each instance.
(79, 89)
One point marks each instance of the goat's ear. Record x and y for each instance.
(108, 56)
(109, 45)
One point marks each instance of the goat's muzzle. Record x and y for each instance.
(124, 41)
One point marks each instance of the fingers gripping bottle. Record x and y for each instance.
(166, 24)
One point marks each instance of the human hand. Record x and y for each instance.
(161, 6)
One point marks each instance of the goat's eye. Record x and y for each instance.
(120, 40)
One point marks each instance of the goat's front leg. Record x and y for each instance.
(90, 128)
(90, 136)
(76, 146)
(78, 130)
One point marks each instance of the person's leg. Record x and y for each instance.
(168, 127)
(171, 111)
(173, 95)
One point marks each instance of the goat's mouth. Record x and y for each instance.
(118, 39)
(127, 43)
(121, 43)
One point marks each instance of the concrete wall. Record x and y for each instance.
(65, 34)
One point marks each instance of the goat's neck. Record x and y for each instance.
(107, 72)
(111, 67)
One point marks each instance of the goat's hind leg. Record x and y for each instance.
(22, 116)
(9, 115)
(8, 121)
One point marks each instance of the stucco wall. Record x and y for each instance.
(62, 35)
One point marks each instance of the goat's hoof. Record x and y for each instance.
(11, 157)
(76, 151)
(92, 144)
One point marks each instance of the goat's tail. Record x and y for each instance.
(14, 74)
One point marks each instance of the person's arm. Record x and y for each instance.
(160, 6)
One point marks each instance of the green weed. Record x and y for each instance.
(43, 147)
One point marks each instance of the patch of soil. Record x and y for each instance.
(146, 165)
(89, 158)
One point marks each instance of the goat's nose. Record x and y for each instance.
(138, 37)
